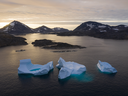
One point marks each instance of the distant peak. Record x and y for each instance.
(14, 22)
(90, 22)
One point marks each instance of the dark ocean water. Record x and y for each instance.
(90, 83)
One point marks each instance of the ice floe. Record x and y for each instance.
(26, 67)
(69, 68)
(106, 67)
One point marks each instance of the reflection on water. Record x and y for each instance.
(27, 76)
(84, 77)
(64, 81)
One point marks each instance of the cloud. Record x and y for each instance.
(8, 4)
(41, 11)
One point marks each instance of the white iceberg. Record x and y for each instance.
(69, 68)
(26, 67)
(106, 67)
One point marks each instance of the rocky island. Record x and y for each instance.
(10, 40)
(49, 44)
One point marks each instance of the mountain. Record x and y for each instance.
(58, 29)
(99, 27)
(99, 30)
(43, 29)
(92, 26)
(16, 27)
(46, 30)
(10, 40)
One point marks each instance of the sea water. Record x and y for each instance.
(90, 83)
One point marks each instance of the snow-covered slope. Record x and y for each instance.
(16, 27)
(90, 25)
(99, 27)
(43, 29)
(58, 29)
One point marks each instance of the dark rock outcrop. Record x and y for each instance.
(10, 40)
(49, 44)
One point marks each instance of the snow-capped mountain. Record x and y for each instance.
(16, 27)
(119, 27)
(43, 29)
(99, 27)
(91, 26)
(99, 30)
(58, 29)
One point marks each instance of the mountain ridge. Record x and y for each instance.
(99, 30)
(16, 27)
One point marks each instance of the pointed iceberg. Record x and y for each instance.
(106, 67)
(69, 68)
(26, 67)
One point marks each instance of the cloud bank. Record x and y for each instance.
(63, 12)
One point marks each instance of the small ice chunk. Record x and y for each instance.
(106, 67)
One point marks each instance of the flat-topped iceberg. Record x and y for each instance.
(69, 68)
(26, 67)
(106, 67)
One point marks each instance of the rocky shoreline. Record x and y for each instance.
(122, 35)
(10, 40)
(49, 44)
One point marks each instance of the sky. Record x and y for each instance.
(63, 13)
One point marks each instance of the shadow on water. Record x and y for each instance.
(64, 81)
(29, 76)
(84, 77)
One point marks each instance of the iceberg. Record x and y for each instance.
(69, 68)
(106, 67)
(26, 67)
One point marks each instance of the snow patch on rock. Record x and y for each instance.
(12, 24)
(102, 26)
(45, 28)
(6, 29)
(90, 25)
